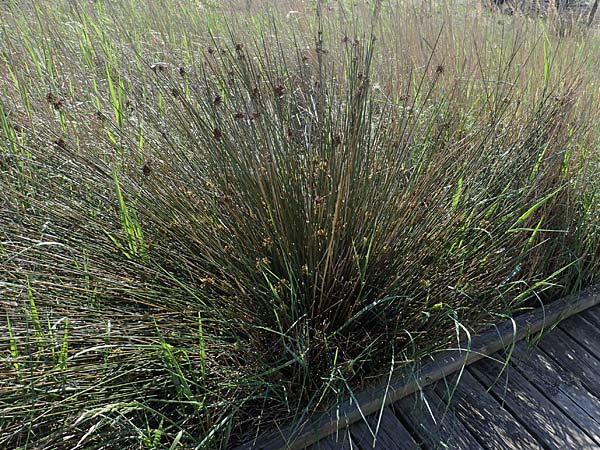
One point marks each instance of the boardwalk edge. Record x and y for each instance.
(375, 398)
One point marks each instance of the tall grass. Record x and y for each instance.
(217, 219)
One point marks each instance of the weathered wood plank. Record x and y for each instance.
(540, 416)
(338, 441)
(385, 433)
(592, 314)
(584, 332)
(483, 416)
(561, 387)
(435, 425)
(372, 400)
(573, 359)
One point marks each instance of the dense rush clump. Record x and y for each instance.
(219, 219)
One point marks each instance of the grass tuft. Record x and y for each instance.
(219, 218)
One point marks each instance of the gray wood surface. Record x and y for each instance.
(436, 426)
(540, 416)
(573, 358)
(382, 432)
(585, 333)
(592, 315)
(562, 388)
(483, 415)
(337, 441)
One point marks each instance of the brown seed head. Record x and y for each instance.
(147, 168)
(56, 102)
(279, 90)
(60, 143)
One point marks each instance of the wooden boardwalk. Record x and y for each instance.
(545, 397)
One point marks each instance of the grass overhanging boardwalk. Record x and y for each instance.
(547, 396)
(543, 392)
(219, 219)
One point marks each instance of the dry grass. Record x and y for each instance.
(216, 218)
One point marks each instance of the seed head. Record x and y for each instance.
(147, 168)
(158, 67)
(279, 90)
(56, 102)
(261, 263)
(60, 143)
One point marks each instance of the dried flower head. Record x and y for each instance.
(159, 67)
(56, 102)
(262, 263)
(147, 168)
(60, 143)
(279, 90)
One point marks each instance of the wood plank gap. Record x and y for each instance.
(382, 432)
(373, 399)
(481, 413)
(501, 400)
(541, 417)
(562, 349)
(557, 392)
(436, 425)
(584, 333)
